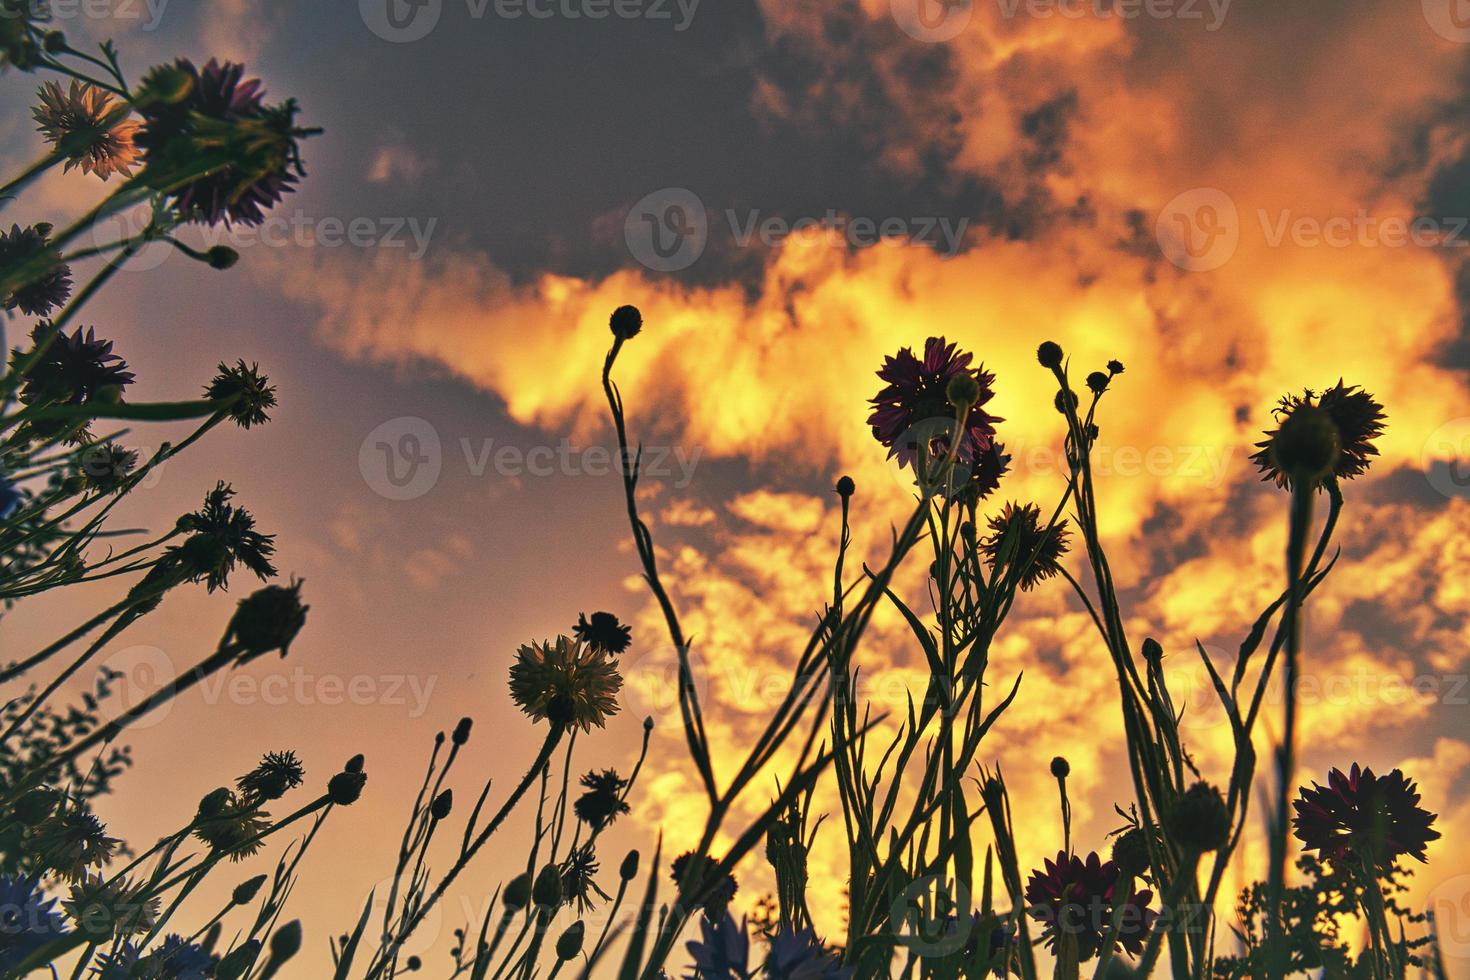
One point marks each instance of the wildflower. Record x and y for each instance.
(566, 682)
(569, 943)
(103, 909)
(603, 632)
(1049, 354)
(278, 773)
(220, 536)
(579, 879)
(214, 114)
(707, 886)
(990, 465)
(962, 391)
(1130, 852)
(71, 842)
(28, 921)
(1200, 820)
(175, 959)
(47, 282)
(74, 369)
(1018, 537)
(17, 22)
(1115, 367)
(87, 125)
(250, 393)
(1318, 438)
(106, 466)
(1097, 382)
(916, 397)
(546, 890)
(268, 620)
(797, 955)
(230, 824)
(722, 951)
(1365, 817)
(603, 802)
(626, 322)
(238, 960)
(1075, 899)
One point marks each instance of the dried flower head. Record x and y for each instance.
(268, 620)
(1301, 442)
(913, 412)
(708, 887)
(250, 393)
(1018, 539)
(90, 127)
(221, 535)
(579, 879)
(1200, 820)
(44, 280)
(276, 775)
(567, 682)
(626, 322)
(1360, 816)
(603, 802)
(603, 632)
(1075, 899)
(215, 114)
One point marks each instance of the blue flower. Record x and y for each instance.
(28, 921)
(723, 950)
(10, 498)
(175, 959)
(800, 956)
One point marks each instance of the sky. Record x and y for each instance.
(1236, 199)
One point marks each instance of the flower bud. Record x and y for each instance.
(546, 891)
(355, 763)
(286, 943)
(629, 869)
(268, 620)
(462, 731)
(1097, 382)
(517, 893)
(569, 943)
(1060, 768)
(443, 803)
(626, 322)
(845, 487)
(1130, 852)
(245, 891)
(1200, 820)
(222, 257)
(1050, 354)
(963, 390)
(345, 788)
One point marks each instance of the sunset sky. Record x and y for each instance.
(1235, 199)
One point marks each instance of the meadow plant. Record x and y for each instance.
(935, 883)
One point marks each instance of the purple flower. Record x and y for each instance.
(800, 956)
(913, 410)
(28, 921)
(47, 285)
(1075, 899)
(1356, 416)
(217, 114)
(175, 959)
(73, 369)
(1362, 816)
(723, 950)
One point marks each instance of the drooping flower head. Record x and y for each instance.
(603, 632)
(579, 879)
(603, 802)
(44, 280)
(1074, 899)
(1362, 817)
(1353, 413)
(217, 115)
(28, 921)
(913, 411)
(84, 122)
(567, 682)
(1017, 535)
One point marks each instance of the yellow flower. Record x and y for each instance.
(86, 124)
(567, 682)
